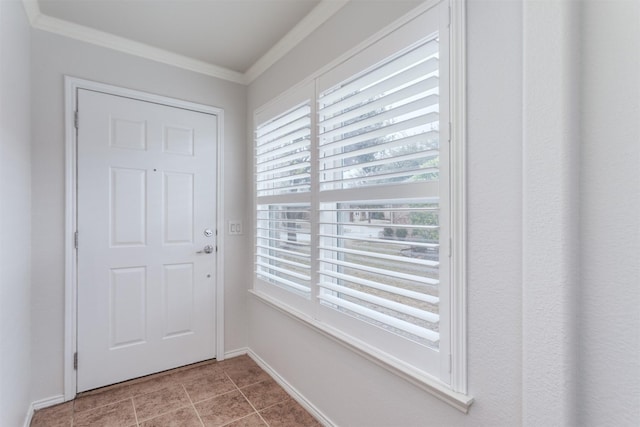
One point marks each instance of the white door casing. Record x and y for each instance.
(146, 193)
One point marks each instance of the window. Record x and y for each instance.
(354, 212)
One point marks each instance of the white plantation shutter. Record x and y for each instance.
(381, 219)
(283, 246)
(382, 126)
(282, 153)
(283, 179)
(352, 198)
(373, 271)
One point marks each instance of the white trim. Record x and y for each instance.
(235, 353)
(318, 16)
(32, 9)
(458, 176)
(49, 401)
(431, 385)
(72, 84)
(292, 391)
(27, 418)
(41, 404)
(121, 44)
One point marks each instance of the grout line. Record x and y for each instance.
(192, 405)
(135, 413)
(251, 404)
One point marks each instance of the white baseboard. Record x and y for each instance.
(295, 394)
(235, 353)
(40, 404)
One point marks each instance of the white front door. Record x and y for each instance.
(146, 213)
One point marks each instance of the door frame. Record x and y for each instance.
(72, 84)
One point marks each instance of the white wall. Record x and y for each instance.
(347, 388)
(609, 317)
(15, 215)
(53, 57)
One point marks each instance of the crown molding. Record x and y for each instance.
(323, 11)
(318, 16)
(32, 9)
(121, 44)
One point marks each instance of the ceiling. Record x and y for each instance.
(232, 39)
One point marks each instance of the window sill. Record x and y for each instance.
(460, 401)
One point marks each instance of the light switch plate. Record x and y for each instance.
(235, 227)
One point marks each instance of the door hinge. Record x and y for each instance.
(75, 119)
(75, 361)
(449, 132)
(75, 240)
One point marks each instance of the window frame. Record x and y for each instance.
(452, 16)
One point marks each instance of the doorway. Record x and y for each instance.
(145, 257)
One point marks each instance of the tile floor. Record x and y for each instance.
(232, 393)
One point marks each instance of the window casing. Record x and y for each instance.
(353, 231)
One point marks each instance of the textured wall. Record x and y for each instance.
(609, 291)
(53, 57)
(550, 210)
(15, 215)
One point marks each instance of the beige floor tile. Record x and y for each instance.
(167, 399)
(223, 409)
(54, 416)
(245, 372)
(253, 420)
(97, 398)
(288, 414)
(238, 360)
(159, 402)
(198, 371)
(208, 385)
(118, 414)
(151, 384)
(264, 394)
(185, 417)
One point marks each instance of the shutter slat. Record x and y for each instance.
(395, 306)
(411, 74)
(409, 59)
(402, 325)
(418, 90)
(370, 179)
(283, 119)
(283, 261)
(382, 118)
(374, 270)
(430, 299)
(278, 148)
(416, 122)
(282, 281)
(418, 155)
(419, 139)
(300, 155)
(283, 251)
(385, 257)
(395, 242)
(283, 270)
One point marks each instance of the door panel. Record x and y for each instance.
(146, 193)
